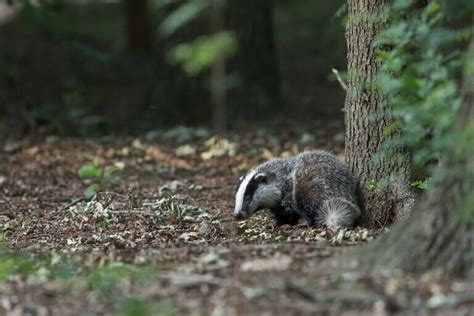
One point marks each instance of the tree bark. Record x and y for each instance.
(367, 115)
(439, 234)
(256, 64)
(138, 26)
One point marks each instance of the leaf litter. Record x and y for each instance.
(162, 237)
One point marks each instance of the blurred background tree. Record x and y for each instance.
(255, 65)
(92, 67)
(139, 38)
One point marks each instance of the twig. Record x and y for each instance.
(112, 193)
(132, 212)
(227, 220)
(69, 205)
(60, 199)
(339, 79)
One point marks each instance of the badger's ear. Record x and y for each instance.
(261, 177)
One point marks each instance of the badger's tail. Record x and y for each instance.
(338, 212)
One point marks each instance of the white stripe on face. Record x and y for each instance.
(239, 197)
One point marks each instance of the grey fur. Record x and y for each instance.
(313, 185)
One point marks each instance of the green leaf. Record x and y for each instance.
(201, 53)
(91, 190)
(183, 15)
(6, 269)
(421, 184)
(134, 306)
(90, 171)
(372, 185)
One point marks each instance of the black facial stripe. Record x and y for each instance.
(250, 190)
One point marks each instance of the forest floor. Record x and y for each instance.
(158, 236)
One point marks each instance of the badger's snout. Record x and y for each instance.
(239, 216)
(242, 214)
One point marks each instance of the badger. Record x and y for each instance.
(315, 186)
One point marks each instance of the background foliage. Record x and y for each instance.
(65, 68)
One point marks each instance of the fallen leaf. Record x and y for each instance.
(185, 151)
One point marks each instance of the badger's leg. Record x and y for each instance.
(309, 214)
(283, 217)
(311, 218)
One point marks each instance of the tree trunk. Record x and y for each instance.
(218, 75)
(367, 115)
(138, 26)
(256, 64)
(439, 234)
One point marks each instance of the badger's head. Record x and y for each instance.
(256, 191)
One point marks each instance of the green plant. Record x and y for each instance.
(420, 76)
(11, 263)
(201, 53)
(110, 280)
(421, 184)
(100, 176)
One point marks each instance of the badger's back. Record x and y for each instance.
(320, 175)
(324, 190)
